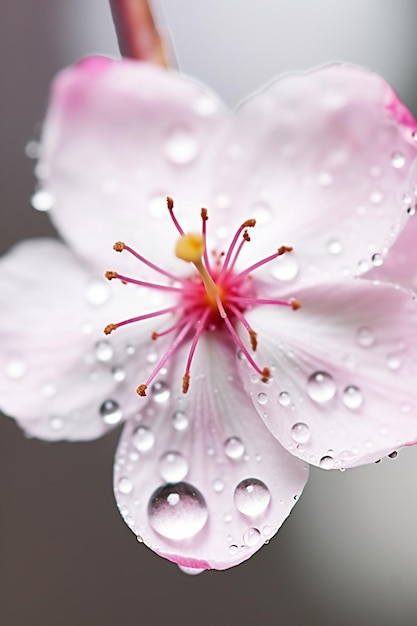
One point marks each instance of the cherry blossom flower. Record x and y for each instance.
(240, 339)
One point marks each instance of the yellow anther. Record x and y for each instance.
(190, 248)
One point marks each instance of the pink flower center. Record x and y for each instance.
(214, 296)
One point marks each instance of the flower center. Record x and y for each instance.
(214, 296)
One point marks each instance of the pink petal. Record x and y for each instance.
(344, 372)
(59, 374)
(198, 477)
(323, 160)
(117, 140)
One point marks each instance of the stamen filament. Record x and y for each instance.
(200, 328)
(267, 259)
(119, 246)
(204, 218)
(110, 327)
(248, 224)
(294, 304)
(170, 204)
(178, 324)
(242, 319)
(264, 373)
(126, 279)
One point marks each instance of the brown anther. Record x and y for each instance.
(170, 203)
(119, 246)
(253, 339)
(266, 374)
(295, 304)
(141, 390)
(110, 328)
(185, 382)
(246, 235)
(284, 249)
(249, 223)
(154, 335)
(110, 275)
(204, 214)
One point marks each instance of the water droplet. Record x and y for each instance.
(411, 210)
(326, 462)
(234, 448)
(262, 398)
(218, 485)
(181, 146)
(233, 549)
(177, 511)
(363, 266)
(321, 387)
(15, 369)
(56, 423)
(48, 390)
(125, 485)
(414, 135)
(284, 398)
(103, 351)
(251, 537)
(180, 420)
(160, 391)
(191, 571)
(251, 497)
(393, 455)
(300, 432)
(377, 259)
(394, 361)
(173, 467)
(366, 337)
(118, 373)
(42, 200)
(352, 397)
(32, 149)
(285, 267)
(335, 247)
(397, 160)
(97, 293)
(111, 412)
(376, 197)
(143, 439)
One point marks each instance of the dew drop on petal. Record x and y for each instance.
(352, 397)
(326, 462)
(177, 511)
(233, 549)
(262, 398)
(96, 293)
(376, 197)
(191, 571)
(251, 537)
(173, 467)
(284, 398)
(300, 432)
(377, 259)
(335, 247)
(32, 149)
(321, 387)
(181, 146)
(143, 439)
(397, 160)
(366, 337)
(118, 373)
(234, 448)
(42, 200)
(285, 267)
(103, 351)
(15, 369)
(111, 412)
(160, 391)
(218, 485)
(251, 497)
(393, 361)
(125, 485)
(56, 423)
(180, 420)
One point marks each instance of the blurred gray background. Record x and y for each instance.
(348, 553)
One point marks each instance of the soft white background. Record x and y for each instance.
(348, 553)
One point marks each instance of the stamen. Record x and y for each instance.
(204, 218)
(294, 304)
(142, 283)
(119, 246)
(265, 372)
(248, 224)
(244, 321)
(111, 327)
(170, 205)
(201, 327)
(282, 250)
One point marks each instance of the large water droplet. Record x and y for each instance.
(326, 462)
(111, 412)
(191, 571)
(397, 160)
(234, 448)
(143, 439)
(181, 146)
(321, 387)
(300, 432)
(366, 337)
(125, 485)
(262, 398)
(335, 247)
(251, 537)
(377, 259)
(42, 200)
(160, 391)
(251, 497)
(284, 398)
(352, 397)
(180, 420)
(173, 467)
(103, 351)
(177, 511)
(285, 267)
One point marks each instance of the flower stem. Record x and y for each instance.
(137, 33)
